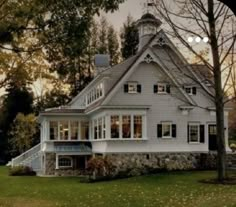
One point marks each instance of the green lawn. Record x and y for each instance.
(162, 190)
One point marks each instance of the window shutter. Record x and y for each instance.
(202, 133)
(174, 130)
(139, 88)
(159, 130)
(188, 133)
(168, 88)
(126, 88)
(194, 90)
(155, 89)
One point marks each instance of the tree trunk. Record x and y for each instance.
(219, 95)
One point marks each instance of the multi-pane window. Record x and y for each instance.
(64, 130)
(94, 94)
(115, 126)
(100, 128)
(74, 126)
(126, 126)
(132, 88)
(53, 130)
(161, 88)
(191, 90)
(194, 133)
(137, 126)
(84, 130)
(95, 129)
(65, 162)
(166, 130)
(104, 128)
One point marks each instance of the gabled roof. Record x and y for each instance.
(164, 54)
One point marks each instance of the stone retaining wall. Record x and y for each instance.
(132, 164)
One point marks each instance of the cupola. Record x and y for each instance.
(147, 26)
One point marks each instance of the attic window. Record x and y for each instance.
(161, 88)
(132, 87)
(191, 90)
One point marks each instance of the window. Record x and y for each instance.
(126, 126)
(137, 126)
(132, 87)
(74, 125)
(94, 94)
(115, 126)
(161, 88)
(191, 90)
(166, 130)
(104, 127)
(84, 130)
(64, 162)
(95, 129)
(53, 130)
(193, 133)
(100, 128)
(64, 130)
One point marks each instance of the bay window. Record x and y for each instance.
(115, 129)
(95, 129)
(100, 128)
(126, 126)
(137, 126)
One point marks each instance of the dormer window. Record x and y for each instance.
(191, 90)
(161, 88)
(95, 93)
(132, 87)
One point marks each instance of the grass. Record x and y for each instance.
(176, 189)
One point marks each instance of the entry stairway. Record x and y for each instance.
(31, 158)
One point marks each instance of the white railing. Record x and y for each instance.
(18, 160)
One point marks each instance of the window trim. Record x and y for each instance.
(58, 166)
(170, 124)
(135, 84)
(189, 135)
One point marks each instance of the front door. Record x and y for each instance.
(212, 137)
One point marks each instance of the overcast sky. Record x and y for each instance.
(132, 7)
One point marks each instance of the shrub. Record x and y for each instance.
(100, 167)
(21, 171)
(233, 147)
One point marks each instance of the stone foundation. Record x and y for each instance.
(50, 167)
(133, 164)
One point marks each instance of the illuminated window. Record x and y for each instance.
(137, 126)
(126, 126)
(74, 125)
(53, 130)
(64, 130)
(115, 126)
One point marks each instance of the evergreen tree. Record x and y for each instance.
(129, 38)
(103, 43)
(113, 45)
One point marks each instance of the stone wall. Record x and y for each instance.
(50, 167)
(132, 164)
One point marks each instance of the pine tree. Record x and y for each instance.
(113, 45)
(129, 38)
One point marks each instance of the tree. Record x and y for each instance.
(211, 19)
(113, 45)
(103, 44)
(129, 38)
(23, 133)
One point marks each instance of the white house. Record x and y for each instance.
(150, 105)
